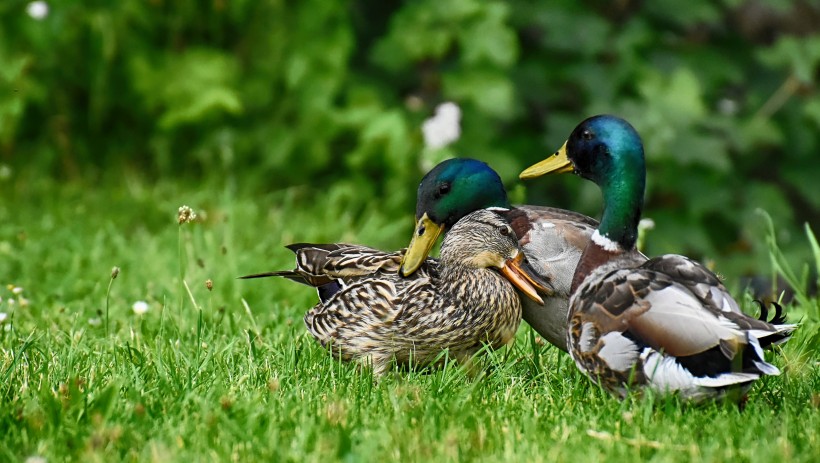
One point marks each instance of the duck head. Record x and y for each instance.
(450, 191)
(485, 240)
(608, 151)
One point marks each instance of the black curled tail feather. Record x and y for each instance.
(782, 331)
(779, 316)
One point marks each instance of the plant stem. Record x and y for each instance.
(107, 303)
(181, 271)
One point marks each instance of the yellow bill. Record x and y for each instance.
(424, 237)
(522, 277)
(558, 163)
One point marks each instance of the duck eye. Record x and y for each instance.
(505, 230)
(443, 189)
(586, 135)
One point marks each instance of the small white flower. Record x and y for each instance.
(95, 321)
(17, 290)
(140, 307)
(3, 316)
(646, 224)
(185, 215)
(37, 10)
(443, 128)
(5, 172)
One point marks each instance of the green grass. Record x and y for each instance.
(204, 376)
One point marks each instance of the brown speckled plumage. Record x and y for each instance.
(456, 304)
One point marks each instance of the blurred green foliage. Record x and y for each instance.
(332, 95)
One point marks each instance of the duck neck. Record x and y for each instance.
(618, 230)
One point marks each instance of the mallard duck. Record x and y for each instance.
(666, 323)
(367, 312)
(552, 239)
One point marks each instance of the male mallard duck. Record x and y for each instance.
(367, 312)
(665, 323)
(552, 239)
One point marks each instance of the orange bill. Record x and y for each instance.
(519, 273)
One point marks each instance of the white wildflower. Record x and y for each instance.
(37, 10)
(443, 128)
(17, 290)
(646, 224)
(5, 172)
(185, 215)
(3, 316)
(96, 321)
(140, 307)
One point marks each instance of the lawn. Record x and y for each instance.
(229, 374)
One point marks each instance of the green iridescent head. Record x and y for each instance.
(451, 190)
(456, 187)
(607, 150)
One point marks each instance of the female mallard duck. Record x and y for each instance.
(367, 312)
(665, 323)
(552, 239)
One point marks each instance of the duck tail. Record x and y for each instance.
(282, 273)
(289, 274)
(779, 331)
(309, 260)
(779, 317)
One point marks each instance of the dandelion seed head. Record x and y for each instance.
(140, 307)
(185, 215)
